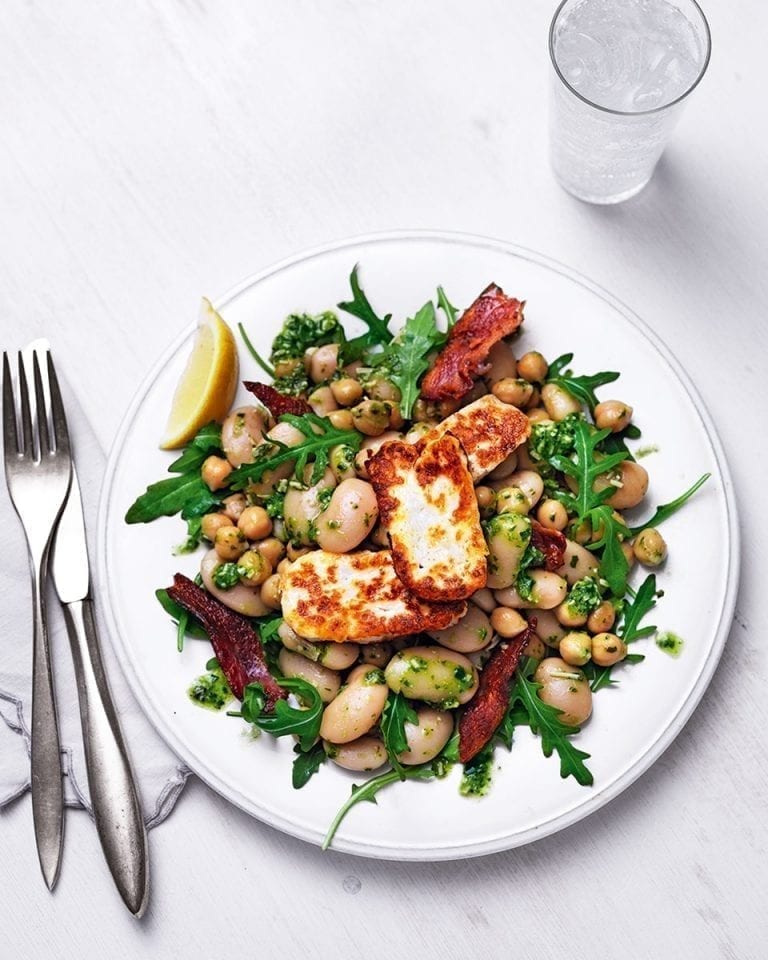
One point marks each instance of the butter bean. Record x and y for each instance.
(473, 632)
(350, 515)
(240, 598)
(325, 681)
(357, 708)
(363, 754)
(427, 737)
(508, 535)
(433, 674)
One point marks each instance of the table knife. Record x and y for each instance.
(115, 802)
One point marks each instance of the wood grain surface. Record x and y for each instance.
(154, 151)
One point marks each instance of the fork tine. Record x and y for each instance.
(10, 432)
(42, 413)
(27, 441)
(58, 417)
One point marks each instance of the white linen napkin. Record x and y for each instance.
(160, 774)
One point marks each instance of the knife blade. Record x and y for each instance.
(114, 798)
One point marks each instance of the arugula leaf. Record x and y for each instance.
(285, 719)
(585, 469)
(186, 624)
(194, 535)
(614, 566)
(406, 356)
(320, 436)
(185, 493)
(666, 510)
(397, 712)
(270, 371)
(206, 441)
(616, 442)
(306, 764)
(360, 307)
(545, 720)
(583, 388)
(451, 312)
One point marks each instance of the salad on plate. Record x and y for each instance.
(414, 541)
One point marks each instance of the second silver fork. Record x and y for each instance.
(38, 471)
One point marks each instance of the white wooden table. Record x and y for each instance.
(157, 150)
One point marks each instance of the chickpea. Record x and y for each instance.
(271, 549)
(211, 523)
(534, 400)
(503, 365)
(552, 515)
(576, 648)
(486, 501)
(537, 415)
(379, 654)
(293, 553)
(271, 592)
(535, 648)
(322, 401)
(422, 411)
(508, 622)
(256, 568)
(323, 362)
(515, 392)
(602, 618)
(215, 471)
(650, 548)
(284, 368)
(284, 566)
(612, 415)
(533, 366)
(234, 506)
(559, 402)
(380, 389)
(608, 649)
(229, 542)
(569, 616)
(347, 391)
(341, 419)
(512, 500)
(371, 417)
(255, 523)
(566, 688)
(395, 417)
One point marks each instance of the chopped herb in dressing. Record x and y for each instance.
(210, 689)
(670, 643)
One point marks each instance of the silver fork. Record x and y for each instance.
(38, 471)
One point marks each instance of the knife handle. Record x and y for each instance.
(45, 758)
(116, 807)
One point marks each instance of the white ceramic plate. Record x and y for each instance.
(631, 724)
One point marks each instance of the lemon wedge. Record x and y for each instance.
(207, 387)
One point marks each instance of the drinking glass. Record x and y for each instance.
(622, 72)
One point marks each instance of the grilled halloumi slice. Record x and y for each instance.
(488, 431)
(357, 596)
(427, 506)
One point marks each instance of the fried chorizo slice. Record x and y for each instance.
(491, 317)
(551, 543)
(277, 403)
(234, 642)
(486, 709)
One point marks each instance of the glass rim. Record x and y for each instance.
(631, 113)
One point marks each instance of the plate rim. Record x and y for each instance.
(654, 750)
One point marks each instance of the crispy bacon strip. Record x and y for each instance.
(235, 644)
(492, 316)
(485, 710)
(277, 403)
(551, 543)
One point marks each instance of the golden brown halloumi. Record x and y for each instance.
(488, 431)
(357, 596)
(428, 507)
